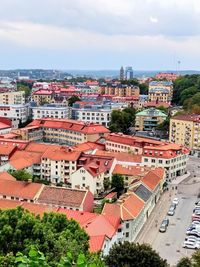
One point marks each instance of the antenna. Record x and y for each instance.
(178, 67)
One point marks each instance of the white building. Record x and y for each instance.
(12, 98)
(50, 111)
(17, 112)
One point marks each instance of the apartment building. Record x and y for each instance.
(148, 119)
(17, 112)
(42, 96)
(135, 206)
(62, 131)
(12, 98)
(167, 76)
(185, 130)
(160, 91)
(121, 90)
(92, 172)
(55, 111)
(172, 157)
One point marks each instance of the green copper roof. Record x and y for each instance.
(151, 112)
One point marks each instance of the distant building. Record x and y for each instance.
(15, 112)
(129, 73)
(167, 76)
(12, 98)
(50, 111)
(160, 91)
(148, 119)
(121, 74)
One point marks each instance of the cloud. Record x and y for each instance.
(153, 20)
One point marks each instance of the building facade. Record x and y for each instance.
(185, 130)
(50, 111)
(17, 112)
(12, 98)
(160, 91)
(148, 119)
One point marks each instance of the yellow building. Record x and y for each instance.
(122, 91)
(185, 130)
(42, 96)
(12, 98)
(160, 91)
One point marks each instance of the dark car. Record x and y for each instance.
(163, 226)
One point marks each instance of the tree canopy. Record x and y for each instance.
(131, 254)
(72, 100)
(121, 121)
(52, 234)
(21, 175)
(117, 182)
(194, 261)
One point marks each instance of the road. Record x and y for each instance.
(169, 244)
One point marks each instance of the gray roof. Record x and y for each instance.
(143, 192)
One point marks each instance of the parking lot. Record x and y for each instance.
(169, 244)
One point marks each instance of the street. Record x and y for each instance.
(169, 244)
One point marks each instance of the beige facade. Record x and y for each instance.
(12, 98)
(121, 91)
(42, 98)
(185, 130)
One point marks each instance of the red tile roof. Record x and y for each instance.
(19, 189)
(72, 125)
(7, 149)
(188, 117)
(6, 176)
(23, 159)
(96, 243)
(61, 153)
(87, 146)
(59, 196)
(153, 178)
(120, 156)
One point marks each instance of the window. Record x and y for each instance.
(127, 225)
(160, 161)
(145, 160)
(127, 234)
(153, 161)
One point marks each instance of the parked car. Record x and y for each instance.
(195, 217)
(191, 244)
(194, 233)
(171, 211)
(163, 226)
(196, 223)
(175, 201)
(197, 202)
(192, 238)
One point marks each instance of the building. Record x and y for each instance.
(148, 119)
(12, 98)
(121, 74)
(167, 76)
(42, 96)
(135, 206)
(172, 157)
(92, 172)
(129, 73)
(55, 111)
(5, 125)
(185, 130)
(56, 197)
(15, 112)
(120, 90)
(160, 91)
(62, 131)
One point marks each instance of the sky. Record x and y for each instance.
(100, 34)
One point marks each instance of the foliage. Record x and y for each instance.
(72, 100)
(25, 86)
(194, 261)
(117, 182)
(121, 121)
(164, 126)
(52, 234)
(184, 262)
(8, 260)
(21, 175)
(106, 183)
(163, 109)
(36, 258)
(126, 254)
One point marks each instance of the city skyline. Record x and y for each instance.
(87, 35)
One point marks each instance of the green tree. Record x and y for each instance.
(117, 182)
(188, 93)
(131, 254)
(164, 126)
(121, 121)
(72, 100)
(184, 262)
(52, 234)
(21, 175)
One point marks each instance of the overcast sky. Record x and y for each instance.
(100, 34)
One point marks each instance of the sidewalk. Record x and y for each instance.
(180, 179)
